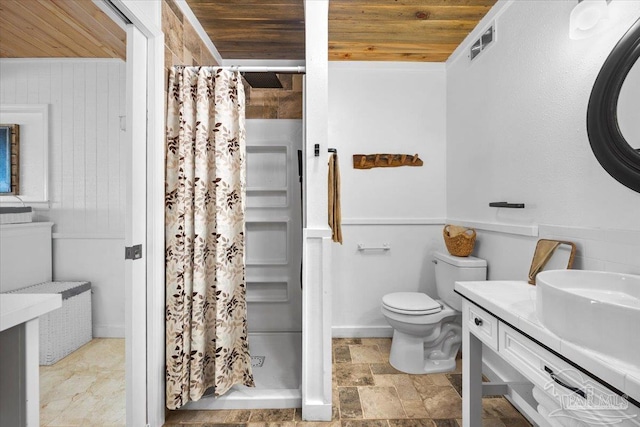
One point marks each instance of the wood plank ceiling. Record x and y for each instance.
(362, 30)
(58, 29)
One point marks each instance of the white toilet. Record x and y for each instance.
(426, 332)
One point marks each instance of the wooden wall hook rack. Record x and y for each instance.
(368, 161)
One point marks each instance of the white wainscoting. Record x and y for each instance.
(509, 255)
(86, 144)
(365, 276)
(101, 262)
(361, 278)
(86, 99)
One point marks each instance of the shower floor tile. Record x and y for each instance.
(368, 392)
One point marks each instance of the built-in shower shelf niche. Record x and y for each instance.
(267, 175)
(267, 291)
(267, 198)
(267, 242)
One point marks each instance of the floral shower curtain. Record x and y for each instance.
(206, 311)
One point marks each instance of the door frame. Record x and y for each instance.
(148, 368)
(135, 228)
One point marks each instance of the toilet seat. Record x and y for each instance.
(411, 303)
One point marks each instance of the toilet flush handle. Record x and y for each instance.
(477, 321)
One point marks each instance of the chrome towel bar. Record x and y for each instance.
(384, 247)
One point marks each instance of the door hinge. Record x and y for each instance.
(133, 252)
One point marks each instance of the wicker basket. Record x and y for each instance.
(66, 329)
(461, 244)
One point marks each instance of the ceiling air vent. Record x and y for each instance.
(482, 43)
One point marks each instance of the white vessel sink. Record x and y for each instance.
(593, 309)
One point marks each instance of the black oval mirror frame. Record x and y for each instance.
(610, 147)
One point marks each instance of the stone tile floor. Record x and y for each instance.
(86, 388)
(369, 392)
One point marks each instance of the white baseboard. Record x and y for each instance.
(108, 331)
(361, 331)
(316, 411)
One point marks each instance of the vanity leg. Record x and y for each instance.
(19, 375)
(471, 380)
(32, 372)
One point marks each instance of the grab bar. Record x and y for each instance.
(384, 247)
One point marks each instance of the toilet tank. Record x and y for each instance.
(450, 269)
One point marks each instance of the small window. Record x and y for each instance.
(9, 159)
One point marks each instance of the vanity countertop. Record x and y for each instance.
(514, 302)
(20, 308)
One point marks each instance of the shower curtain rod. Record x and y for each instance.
(252, 69)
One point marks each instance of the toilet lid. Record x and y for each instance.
(414, 303)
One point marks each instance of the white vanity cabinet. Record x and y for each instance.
(570, 386)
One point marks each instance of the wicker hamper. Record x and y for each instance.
(461, 242)
(64, 330)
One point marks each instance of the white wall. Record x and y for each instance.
(516, 131)
(86, 180)
(396, 108)
(516, 126)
